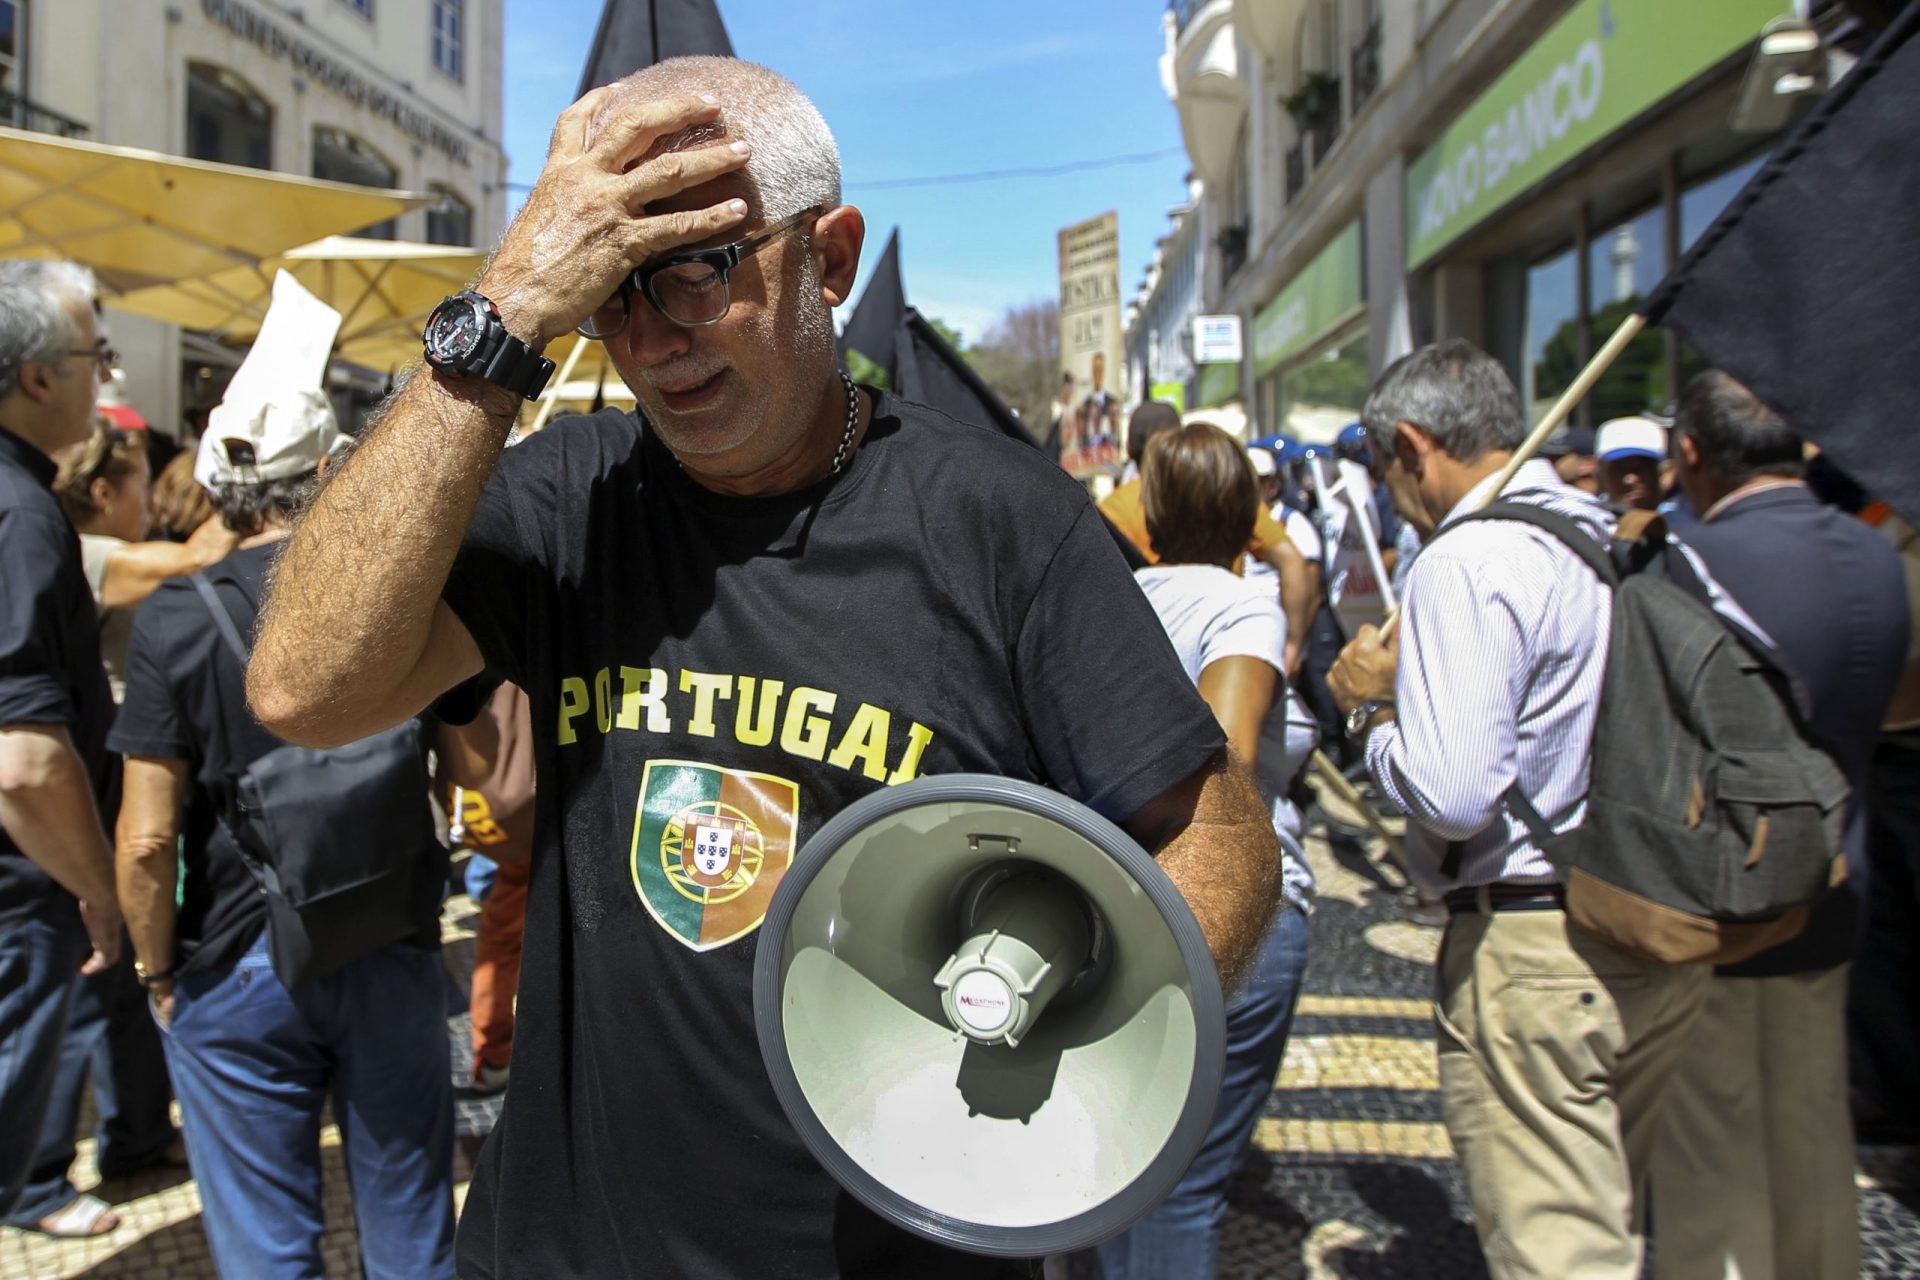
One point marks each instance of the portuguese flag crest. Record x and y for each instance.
(710, 846)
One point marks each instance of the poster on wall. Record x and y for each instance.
(1090, 346)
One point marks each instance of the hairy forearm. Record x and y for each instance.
(1214, 839)
(351, 607)
(47, 808)
(146, 863)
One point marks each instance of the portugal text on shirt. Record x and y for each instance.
(765, 711)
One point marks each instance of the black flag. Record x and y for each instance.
(1804, 289)
(930, 371)
(875, 324)
(638, 33)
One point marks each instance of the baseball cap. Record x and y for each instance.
(1566, 440)
(1630, 438)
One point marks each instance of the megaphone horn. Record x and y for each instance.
(989, 1014)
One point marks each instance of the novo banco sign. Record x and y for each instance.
(1596, 69)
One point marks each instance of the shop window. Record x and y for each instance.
(338, 156)
(1624, 263)
(1320, 395)
(449, 37)
(1704, 201)
(1553, 332)
(227, 120)
(451, 220)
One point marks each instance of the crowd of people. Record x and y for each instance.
(773, 585)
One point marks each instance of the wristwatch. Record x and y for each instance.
(148, 977)
(464, 335)
(1358, 717)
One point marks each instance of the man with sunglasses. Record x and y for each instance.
(765, 595)
(57, 899)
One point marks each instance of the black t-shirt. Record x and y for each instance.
(50, 672)
(744, 669)
(186, 700)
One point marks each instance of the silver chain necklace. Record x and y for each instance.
(846, 437)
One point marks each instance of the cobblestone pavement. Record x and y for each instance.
(1351, 1176)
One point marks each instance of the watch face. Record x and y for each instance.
(455, 330)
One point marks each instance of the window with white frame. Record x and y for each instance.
(449, 37)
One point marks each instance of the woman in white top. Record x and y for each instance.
(1199, 495)
(105, 485)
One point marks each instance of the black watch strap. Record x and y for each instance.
(514, 365)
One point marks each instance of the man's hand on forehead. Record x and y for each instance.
(587, 223)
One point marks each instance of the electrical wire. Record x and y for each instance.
(989, 175)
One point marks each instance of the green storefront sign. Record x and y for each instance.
(1219, 383)
(1597, 68)
(1173, 393)
(1320, 297)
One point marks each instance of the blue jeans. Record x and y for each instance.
(39, 973)
(109, 1033)
(1181, 1239)
(253, 1063)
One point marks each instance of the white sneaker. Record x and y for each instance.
(488, 1080)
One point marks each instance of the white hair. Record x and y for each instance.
(34, 325)
(795, 164)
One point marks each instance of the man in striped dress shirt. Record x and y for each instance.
(1555, 1049)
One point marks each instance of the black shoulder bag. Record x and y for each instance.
(341, 842)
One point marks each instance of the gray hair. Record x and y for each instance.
(1456, 393)
(795, 163)
(34, 325)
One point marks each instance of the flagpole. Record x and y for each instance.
(1563, 407)
(549, 400)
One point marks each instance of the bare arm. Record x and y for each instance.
(1240, 691)
(1214, 838)
(355, 637)
(134, 569)
(152, 800)
(1297, 594)
(46, 806)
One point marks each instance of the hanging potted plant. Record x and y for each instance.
(1316, 103)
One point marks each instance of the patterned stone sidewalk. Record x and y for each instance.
(1351, 1177)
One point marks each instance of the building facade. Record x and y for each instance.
(1385, 173)
(389, 93)
(1159, 322)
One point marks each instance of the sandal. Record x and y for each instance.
(84, 1216)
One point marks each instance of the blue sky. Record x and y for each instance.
(914, 88)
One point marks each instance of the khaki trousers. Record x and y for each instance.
(1753, 1173)
(1555, 1050)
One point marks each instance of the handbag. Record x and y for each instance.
(341, 841)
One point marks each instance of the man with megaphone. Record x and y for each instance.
(768, 594)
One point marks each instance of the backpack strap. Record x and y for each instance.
(222, 619)
(1522, 808)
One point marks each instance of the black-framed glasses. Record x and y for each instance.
(104, 356)
(691, 289)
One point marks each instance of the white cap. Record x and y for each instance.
(1262, 462)
(276, 421)
(1630, 438)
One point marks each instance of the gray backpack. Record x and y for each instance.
(1713, 822)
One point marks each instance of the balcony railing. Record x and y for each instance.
(24, 113)
(1366, 66)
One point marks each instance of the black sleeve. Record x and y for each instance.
(1113, 718)
(462, 704)
(150, 723)
(30, 556)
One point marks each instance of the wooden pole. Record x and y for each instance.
(552, 398)
(1629, 330)
(1331, 775)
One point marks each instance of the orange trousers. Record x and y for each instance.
(496, 966)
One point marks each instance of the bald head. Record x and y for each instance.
(795, 164)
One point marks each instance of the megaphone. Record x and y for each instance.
(989, 1014)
